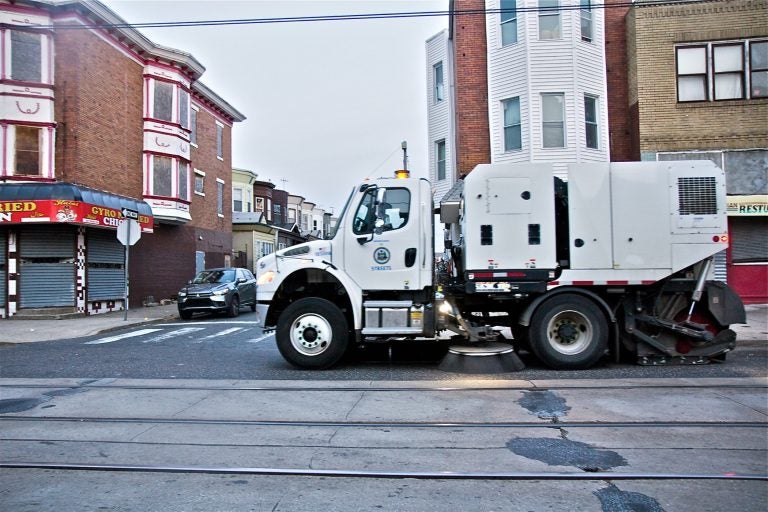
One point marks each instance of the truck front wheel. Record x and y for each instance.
(568, 332)
(312, 333)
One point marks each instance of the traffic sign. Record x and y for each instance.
(130, 214)
(128, 232)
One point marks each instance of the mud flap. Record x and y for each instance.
(724, 304)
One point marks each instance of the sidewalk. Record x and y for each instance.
(26, 331)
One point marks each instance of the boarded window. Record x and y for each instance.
(184, 181)
(163, 101)
(27, 151)
(161, 179)
(26, 56)
(219, 141)
(184, 109)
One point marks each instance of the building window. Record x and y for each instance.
(162, 170)
(758, 62)
(692, 73)
(193, 126)
(278, 213)
(163, 101)
(220, 198)
(27, 151)
(586, 20)
(553, 120)
(219, 141)
(549, 19)
(26, 56)
(728, 63)
(720, 71)
(199, 183)
(170, 177)
(508, 22)
(590, 121)
(237, 200)
(438, 78)
(183, 108)
(259, 205)
(184, 181)
(513, 137)
(264, 248)
(440, 159)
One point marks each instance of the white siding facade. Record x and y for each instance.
(531, 67)
(440, 113)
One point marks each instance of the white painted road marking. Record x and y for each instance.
(110, 339)
(218, 322)
(261, 338)
(173, 334)
(221, 333)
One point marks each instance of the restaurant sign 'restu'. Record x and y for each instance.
(62, 210)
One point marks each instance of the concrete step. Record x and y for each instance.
(59, 313)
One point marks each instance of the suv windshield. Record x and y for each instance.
(214, 276)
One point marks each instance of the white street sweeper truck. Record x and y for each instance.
(608, 259)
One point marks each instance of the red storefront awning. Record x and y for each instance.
(28, 203)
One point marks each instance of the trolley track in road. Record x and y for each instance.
(658, 427)
(430, 475)
(393, 424)
(304, 389)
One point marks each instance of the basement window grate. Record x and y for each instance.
(697, 195)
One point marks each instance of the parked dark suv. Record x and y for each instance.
(216, 290)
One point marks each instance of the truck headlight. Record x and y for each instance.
(266, 278)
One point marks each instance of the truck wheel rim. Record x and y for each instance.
(570, 332)
(311, 334)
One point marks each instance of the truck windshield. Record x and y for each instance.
(341, 215)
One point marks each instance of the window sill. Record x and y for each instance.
(720, 103)
(201, 194)
(221, 215)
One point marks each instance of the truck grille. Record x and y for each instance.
(697, 196)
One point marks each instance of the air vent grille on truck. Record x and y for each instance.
(697, 195)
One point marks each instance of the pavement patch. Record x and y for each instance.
(613, 499)
(10, 405)
(564, 452)
(544, 404)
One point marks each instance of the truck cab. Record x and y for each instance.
(373, 277)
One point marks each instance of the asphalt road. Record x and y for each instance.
(220, 348)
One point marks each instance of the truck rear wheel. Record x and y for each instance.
(569, 332)
(312, 333)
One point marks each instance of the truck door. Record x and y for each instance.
(383, 243)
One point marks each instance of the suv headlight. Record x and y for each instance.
(182, 293)
(220, 292)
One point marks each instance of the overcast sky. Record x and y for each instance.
(327, 103)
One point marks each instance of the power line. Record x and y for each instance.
(370, 16)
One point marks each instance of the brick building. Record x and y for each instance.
(493, 76)
(95, 118)
(697, 77)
